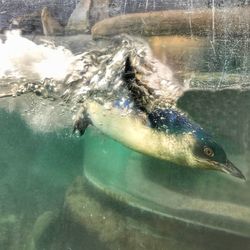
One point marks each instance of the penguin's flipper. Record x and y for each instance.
(139, 92)
(81, 122)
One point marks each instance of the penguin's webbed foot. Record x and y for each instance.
(81, 123)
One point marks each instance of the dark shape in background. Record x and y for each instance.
(61, 9)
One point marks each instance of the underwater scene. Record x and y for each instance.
(124, 125)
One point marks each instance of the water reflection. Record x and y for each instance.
(224, 63)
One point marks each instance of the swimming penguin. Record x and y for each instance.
(126, 93)
(143, 116)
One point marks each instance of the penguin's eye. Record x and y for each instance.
(208, 152)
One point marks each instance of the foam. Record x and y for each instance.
(22, 58)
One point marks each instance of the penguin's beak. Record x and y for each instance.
(229, 168)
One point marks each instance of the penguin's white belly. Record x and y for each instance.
(132, 132)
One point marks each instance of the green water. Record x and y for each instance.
(41, 209)
(35, 170)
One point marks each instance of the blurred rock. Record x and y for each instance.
(86, 14)
(79, 19)
(50, 25)
(116, 225)
(233, 22)
(99, 10)
(28, 23)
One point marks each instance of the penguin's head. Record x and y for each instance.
(210, 155)
(201, 151)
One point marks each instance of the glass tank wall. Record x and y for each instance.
(60, 190)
